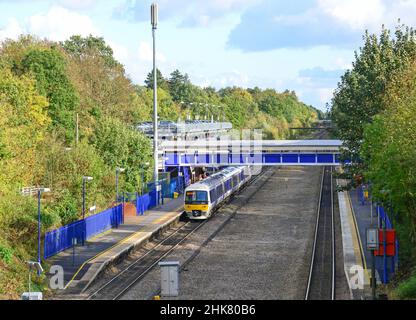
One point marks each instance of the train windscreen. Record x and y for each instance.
(196, 197)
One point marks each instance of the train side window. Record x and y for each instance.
(212, 195)
(219, 189)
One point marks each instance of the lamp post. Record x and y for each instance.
(118, 171)
(154, 21)
(84, 182)
(145, 166)
(40, 191)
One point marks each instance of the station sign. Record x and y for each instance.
(372, 239)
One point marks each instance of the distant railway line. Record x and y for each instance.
(321, 281)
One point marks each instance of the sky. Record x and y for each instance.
(301, 45)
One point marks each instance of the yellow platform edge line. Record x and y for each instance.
(362, 254)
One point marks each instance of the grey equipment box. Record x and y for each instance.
(32, 296)
(170, 278)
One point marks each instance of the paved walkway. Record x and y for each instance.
(81, 268)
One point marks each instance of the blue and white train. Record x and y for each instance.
(204, 197)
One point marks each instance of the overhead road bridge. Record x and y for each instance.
(213, 153)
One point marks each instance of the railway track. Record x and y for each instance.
(321, 281)
(123, 281)
(120, 284)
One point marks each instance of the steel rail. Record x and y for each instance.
(308, 287)
(332, 237)
(148, 269)
(136, 262)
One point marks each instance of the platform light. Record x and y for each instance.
(154, 20)
(84, 182)
(118, 171)
(40, 191)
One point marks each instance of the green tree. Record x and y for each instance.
(48, 67)
(167, 109)
(389, 151)
(81, 48)
(179, 86)
(120, 146)
(360, 93)
(239, 106)
(161, 81)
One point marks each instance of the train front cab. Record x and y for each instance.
(197, 204)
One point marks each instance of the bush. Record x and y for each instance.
(63, 209)
(407, 290)
(6, 254)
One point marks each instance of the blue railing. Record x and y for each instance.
(385, 222)
(61, 239)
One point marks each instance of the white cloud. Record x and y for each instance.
(78, 4)
(370, 14)
(357, 14)
(11, 31)
(59, 24)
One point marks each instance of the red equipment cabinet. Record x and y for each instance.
(390, 243)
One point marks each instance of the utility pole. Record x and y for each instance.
(154, 20)
(40, 191)
(77, 130)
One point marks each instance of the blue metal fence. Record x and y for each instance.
(61, 239)
(385, 223)
(103, 221)
(143, 204)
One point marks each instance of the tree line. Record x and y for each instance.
(50, 91)
(374, 112)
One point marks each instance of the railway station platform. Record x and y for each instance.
(356, 218)
(82, 264)
(355, 263)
